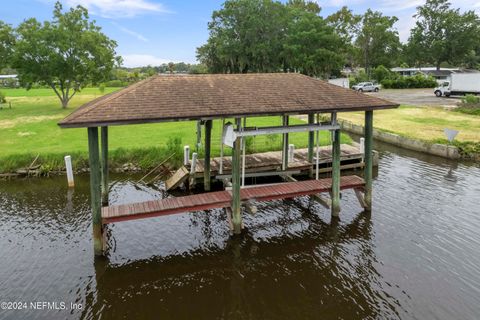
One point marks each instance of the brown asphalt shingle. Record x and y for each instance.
(190, 97)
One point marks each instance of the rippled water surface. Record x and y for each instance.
(416, 256)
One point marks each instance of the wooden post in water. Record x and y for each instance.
(311, 142)
(368, 158)
(104, 159)
(208, 139)
(95, 192)
(335, 168)
(236, 205)
(285, 145)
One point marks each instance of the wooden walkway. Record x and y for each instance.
(222, 199)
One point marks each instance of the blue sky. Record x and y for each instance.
(157, 31)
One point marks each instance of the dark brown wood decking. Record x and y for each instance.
(222, 199)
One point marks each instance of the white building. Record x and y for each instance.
(7, 79)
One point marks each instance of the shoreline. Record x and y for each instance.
(449, 151)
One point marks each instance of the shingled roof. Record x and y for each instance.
(192, 97)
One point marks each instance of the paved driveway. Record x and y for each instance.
(416, 97)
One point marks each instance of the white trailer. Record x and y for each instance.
(460, 84)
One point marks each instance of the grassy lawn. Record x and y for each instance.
(30, 128)
(426, 123)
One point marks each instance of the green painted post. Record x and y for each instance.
(206, 171)
(335, 169)
(95, 190)
(368, 158)
(311, 142)
(236, 205)
(104, 159)
(285, 145)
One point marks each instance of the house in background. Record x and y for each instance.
(9, 80)
(439, 75)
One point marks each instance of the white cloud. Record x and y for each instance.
(130, 32)
(119, 8)
(140, 60)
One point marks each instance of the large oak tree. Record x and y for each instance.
(270, 36)
(443, 34)
(66, 53)
(7, 41)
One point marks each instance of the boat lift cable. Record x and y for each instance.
(317, 133)
(243, 152)
(221, 146)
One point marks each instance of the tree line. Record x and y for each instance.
(271, 36)
(71, 51)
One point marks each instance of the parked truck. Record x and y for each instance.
(459, 84)
(366, 87)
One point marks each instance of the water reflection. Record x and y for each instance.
(415, 257)
(321, 266)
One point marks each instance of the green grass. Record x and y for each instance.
(30, 128)
(427, 124)
(424, 123)
(472, 110)
(47, 92)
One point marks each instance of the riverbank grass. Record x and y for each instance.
(427, 124)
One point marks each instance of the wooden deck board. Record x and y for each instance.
(222, 199)
(272, 160)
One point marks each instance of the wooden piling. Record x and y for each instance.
(311, 142)
(104, 160)
(285, 145)
(208, 139)
(236, 206)
(335, 169)
(368, 159)
(95, 190)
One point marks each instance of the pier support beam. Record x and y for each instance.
(95, 190)
(368, 159)
(335, 169)
(208, 140)
(236, 205)
(104, 159)
(311, 142)
(285, 145)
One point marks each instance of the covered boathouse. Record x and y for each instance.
(205, 98)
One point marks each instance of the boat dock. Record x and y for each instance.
(230, 101)
(270, 164)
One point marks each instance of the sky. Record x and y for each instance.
(152, 32)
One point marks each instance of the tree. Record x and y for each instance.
(307, 6)
(442, 34)
(66, 53)
(346, 25)
(7, 41)
(269, 36)
(377, 40)
(245, 35)
(311, 47)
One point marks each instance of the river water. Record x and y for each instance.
(416, 256)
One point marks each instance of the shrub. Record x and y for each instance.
(417, 81)
(361, 76)
(381, 73)
(116, 83)
(3, 99)
(470, 105)
(471, 99)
